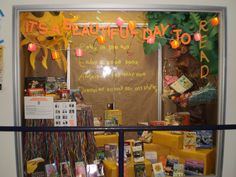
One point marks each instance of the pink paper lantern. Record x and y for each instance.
(32, 47)
(78, 52)
(197, 36)
(119, 21)
(151, 40)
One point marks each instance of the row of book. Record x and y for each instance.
(37, 168)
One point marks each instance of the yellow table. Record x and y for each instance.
(205, 155)
(104, 139)
(167, 139)
(111, 169)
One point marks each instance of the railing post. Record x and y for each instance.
(121, 153)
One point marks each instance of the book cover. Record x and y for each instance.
(51, 170)
(126, 171)
(204, 139)
(178, 170)
(127, 151)
(193, 167)
(170, 161)
(50, 86)
(61, 83)
(100, 153)
(158, 170)
(182, 84)
(92, 170)
(65, 169)
(111, 151)
(190, 140)
(151, 155)
(138, 153)
(113, 117)
(80, 170)
(34, 83)
(139, 170)
(100, 167)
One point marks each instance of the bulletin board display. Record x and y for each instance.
(136, 61)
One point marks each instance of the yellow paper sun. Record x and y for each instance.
(47, 31)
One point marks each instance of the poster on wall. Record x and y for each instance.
(1, 50)
(1, 67)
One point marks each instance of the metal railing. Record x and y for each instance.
(120, 129)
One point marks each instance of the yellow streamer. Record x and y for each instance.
(33, 56)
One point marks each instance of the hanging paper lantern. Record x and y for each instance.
(78, 52)
(119, 21)
(32, 47)
(174, 44)
(132, 25)
(197, 36)
(55, 55)
(215, 21)
(101, 39)
(151, 39)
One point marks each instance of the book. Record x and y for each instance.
(178, 170)
(189, 140)
(127, 151)
(80, 170)
(100, 153)
(139, 170)
(100, 167)
(92, 170)
(204, 139)
(111, 151)
(113, 117)
(170, 161)
(126, 171)
(34, 83)
(50, 85)
(193, 167)
(65, 169)
(158, 170)
(182, 84)
(51, 170)
(138, 153)
(151, 155)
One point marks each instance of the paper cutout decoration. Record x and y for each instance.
(55, 37)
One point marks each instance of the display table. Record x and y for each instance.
(205, 155)
(111, 169)
(161, 150)
(168, 139)
(104, 139)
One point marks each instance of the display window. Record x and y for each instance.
(118, 67)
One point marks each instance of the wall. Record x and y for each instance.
(7, 152)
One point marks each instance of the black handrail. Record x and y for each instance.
(116, 129)
(120, 130)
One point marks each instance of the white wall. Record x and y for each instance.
(7, 147)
